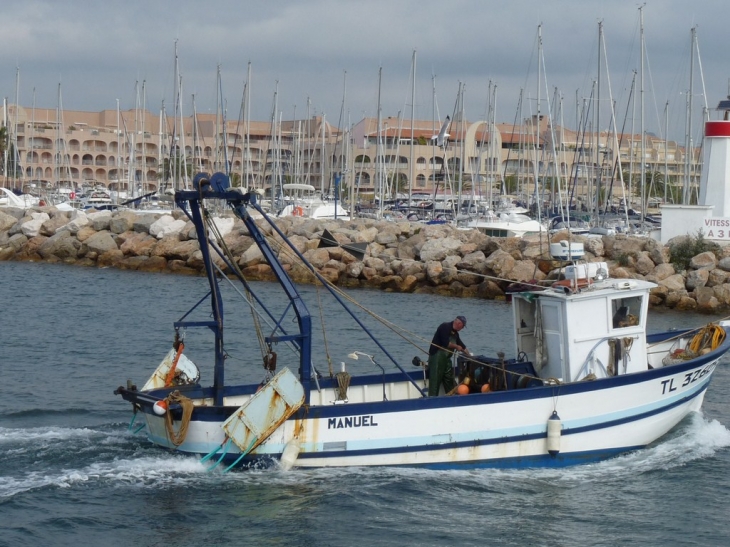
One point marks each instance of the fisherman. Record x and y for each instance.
(444, 343)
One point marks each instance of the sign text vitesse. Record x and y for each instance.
(351, 421)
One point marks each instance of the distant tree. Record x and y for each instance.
(173, 166)
(510, 184)
(235, 179)
(14, 169)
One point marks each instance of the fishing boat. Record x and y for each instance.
(586, 381)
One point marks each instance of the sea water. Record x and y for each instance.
(72, 472)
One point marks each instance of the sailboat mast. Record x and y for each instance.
(641, 116)
(248, 169)
(536, 168)
(599, 165)
(666, 142)
(32, 134)
(688, 147)
(413, 151)
(379, 151)
(174, 148)
(144, 134)
(462, 168)
(5, 152)
(16, 153)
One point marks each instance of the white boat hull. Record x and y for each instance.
(600, 419)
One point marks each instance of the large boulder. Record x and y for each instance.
(674, 282)
(500, 262)
(79, 220)
(100, 220)
(697, 279)
(122, 222)
(100, 243)
(6, 221)
(438, 249)
(62, 245)
(166, 225)
(32, 227)
(171, 248)
(136, 243)
(53, 225)
(703, 261)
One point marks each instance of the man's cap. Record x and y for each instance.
(462, 319)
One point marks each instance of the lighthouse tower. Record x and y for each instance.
(714, 187)
(712, 214)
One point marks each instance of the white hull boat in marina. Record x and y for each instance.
(505, 225)
(585, 383)
(9, 198)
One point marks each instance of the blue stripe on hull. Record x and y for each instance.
(216, 414)
(500, 440)
(541, 460)
(519, 462)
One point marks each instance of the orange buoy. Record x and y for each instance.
(297, 211)
(160, 407)
(486, 388)
(463, 389)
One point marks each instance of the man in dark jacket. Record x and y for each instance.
(444, 343)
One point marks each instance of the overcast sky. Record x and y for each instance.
(97, 50)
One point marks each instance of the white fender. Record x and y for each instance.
(554, 427)
(289, 455)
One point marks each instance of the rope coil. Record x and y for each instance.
(343, 382)
(187, 410)
(707, 339)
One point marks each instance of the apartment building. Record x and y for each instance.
(121, 150)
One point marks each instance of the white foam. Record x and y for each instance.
(143, 466)
(31, 435)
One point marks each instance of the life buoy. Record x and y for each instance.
(570, 283)
(72, 195)
(297, 211)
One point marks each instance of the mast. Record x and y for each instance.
(323, 154)
(599, 166)
(132, 178)
(666, 138)
(5, 152)
(32, 134)
(119, 152)
(536, 168)
(379, 151)
(144, 134)
(247, 174)
(462, 169)
(412, 173)
(641, 114)
(182, 161)
(195, 137)
(162, 127)
(174, 148)
(688, 133)
(16, 153)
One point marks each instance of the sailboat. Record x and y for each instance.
(586, 381)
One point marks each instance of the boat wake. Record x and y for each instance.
(58, 457)
(696, 438)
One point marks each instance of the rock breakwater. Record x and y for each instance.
(400, 256)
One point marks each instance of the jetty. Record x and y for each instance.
(691, 273)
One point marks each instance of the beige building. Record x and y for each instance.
(145, 151)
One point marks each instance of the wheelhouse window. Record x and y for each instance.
(626, 312)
